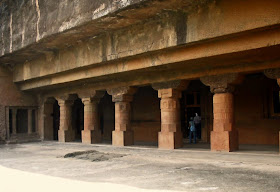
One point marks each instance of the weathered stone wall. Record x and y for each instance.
(253, 106)
(172, 28)
(11, 96)
(24, 22)
(223, 17)
(150, 36)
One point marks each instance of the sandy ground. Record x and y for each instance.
(52, 166)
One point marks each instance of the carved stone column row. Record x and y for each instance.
(224, 136)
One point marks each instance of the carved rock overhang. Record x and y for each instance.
(138, 11)
(177, 63)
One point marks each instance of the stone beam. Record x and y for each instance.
(154, 60)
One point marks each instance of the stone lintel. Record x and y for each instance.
(122, 94)
(176, 84)
(222, 83)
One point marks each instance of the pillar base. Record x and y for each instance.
(65, 135)
(170, 140)
(122, 138)
(224, 141)
(91, 136)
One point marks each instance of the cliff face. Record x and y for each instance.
(32, 27)
(24, 22)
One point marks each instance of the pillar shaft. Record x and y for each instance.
(65, 132)
(123, 135)
(122, 116)
(223, 137)
(91, 132)
(29, 121)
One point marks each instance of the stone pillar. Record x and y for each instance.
(224, 136)
(14, 120)
(274, 74)
(122, 135)
(170, 136)
(36, 121)
(65, 132)
(29, 121)
(91, 133)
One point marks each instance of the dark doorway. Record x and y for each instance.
(33, 121)
(11, 121)
(78, 119)
(106, 110)
(56, 119)
(146, 116)
(22, 121)
(197, 99)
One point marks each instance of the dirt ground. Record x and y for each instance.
(53, 166)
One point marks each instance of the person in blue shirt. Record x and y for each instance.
(192, 130)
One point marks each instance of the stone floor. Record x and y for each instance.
(53, 166)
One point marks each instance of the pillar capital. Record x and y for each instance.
(122, 94)
(272, 73)
(170, 89)
(49, 100)
(91, 95)
(66, 99)
(222, 83)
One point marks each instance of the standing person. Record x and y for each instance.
(197, 123)
(192, 130)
